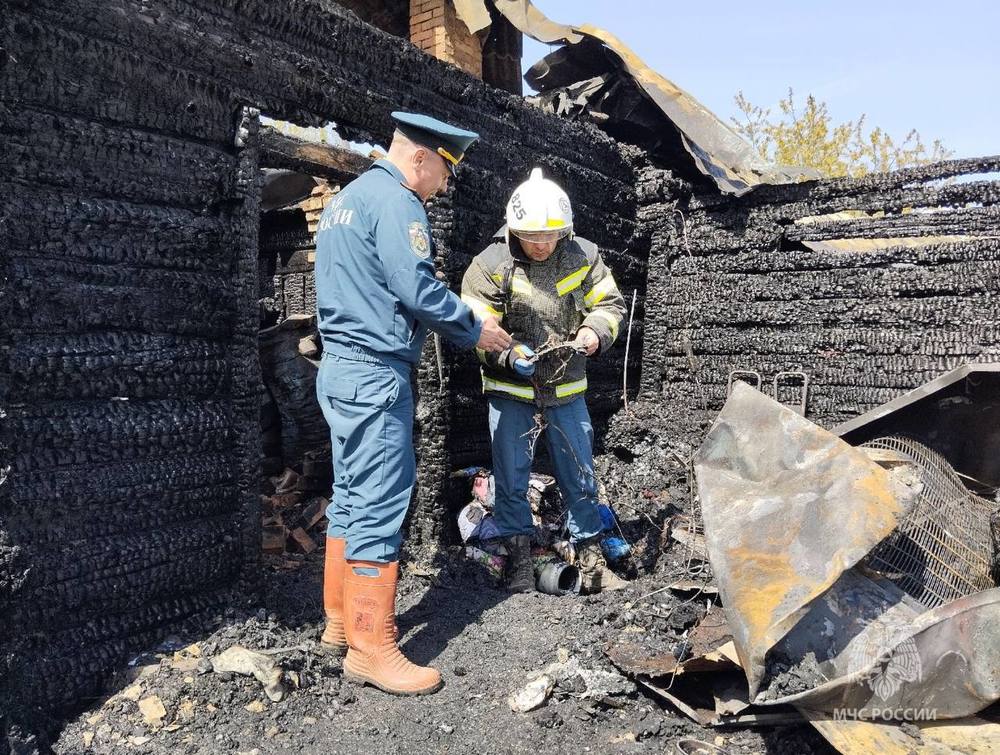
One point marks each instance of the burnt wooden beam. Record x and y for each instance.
(278, 150)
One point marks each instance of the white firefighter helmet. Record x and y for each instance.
(539, 209)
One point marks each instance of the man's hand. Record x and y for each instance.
(493, 337)
(587, 340)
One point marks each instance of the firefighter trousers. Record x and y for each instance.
(569, 438)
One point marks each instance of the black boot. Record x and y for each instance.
(520, 572)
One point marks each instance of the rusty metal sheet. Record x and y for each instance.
(716, 150)
(527, 19)
(711, 650)
(966, 736)
(637, 659)
(709, 634)
(787, 508)
(632, 658)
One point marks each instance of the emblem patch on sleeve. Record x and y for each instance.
(420, 240)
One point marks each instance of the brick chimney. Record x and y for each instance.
(437, 30)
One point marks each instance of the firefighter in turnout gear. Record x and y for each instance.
(548, 288)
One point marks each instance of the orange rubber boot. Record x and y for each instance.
(334, 636)
(372, 655)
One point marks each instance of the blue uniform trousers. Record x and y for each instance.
(571, 449)
(368, 403)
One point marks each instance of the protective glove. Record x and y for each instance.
(524, 360)
(586, 341)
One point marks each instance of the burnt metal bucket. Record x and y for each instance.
(559, 578)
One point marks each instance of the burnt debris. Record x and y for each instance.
(131, 385)
(136, 272)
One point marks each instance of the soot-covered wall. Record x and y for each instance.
(130, 381)
(870, 286)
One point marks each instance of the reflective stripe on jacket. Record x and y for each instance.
(541, 303)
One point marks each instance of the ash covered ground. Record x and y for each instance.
(485, 641)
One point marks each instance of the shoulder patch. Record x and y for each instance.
(420, 239)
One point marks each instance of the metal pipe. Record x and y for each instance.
(628, 343)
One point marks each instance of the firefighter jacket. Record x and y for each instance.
(541, 303)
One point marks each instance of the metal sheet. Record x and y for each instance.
(917, 394)
(940, 664)
(716, 149)
(966, 736)
(527, 19)
(711, 650)
(473, 14)
(788, 507)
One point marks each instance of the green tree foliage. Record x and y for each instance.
(807, 136)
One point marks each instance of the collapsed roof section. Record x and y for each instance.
(596, 74)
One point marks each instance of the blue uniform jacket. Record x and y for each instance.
(375, 284)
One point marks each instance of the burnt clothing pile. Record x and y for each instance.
(550, 539)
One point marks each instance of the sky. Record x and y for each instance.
(932, 66)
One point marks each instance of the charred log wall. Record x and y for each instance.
(129, 369)
(130, 385)
(870, 286)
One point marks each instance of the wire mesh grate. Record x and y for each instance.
(941, 549)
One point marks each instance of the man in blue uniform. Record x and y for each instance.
(376, 297)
